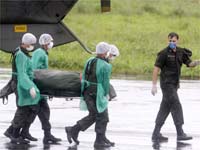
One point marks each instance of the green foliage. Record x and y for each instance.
(139, 28)
(4, 59)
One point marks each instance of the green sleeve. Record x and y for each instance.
(40, 60)
(106, 72)
(35, 59)
(23, 78)
(46, 62)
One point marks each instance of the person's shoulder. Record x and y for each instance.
(104, 63)
(184, 51)
(179, 48)
(163, 51)
(101, 60)
(15, 51)
(19, 54)
(89, 59)
(38, 50)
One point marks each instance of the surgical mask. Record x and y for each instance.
(172, 45)
(30, 48)
(107, 55)
(112, 58)
(50, 45)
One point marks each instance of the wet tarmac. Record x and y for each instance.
(132, 116)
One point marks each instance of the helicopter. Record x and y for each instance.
(38, 16)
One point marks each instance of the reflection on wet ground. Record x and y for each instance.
(132, 117)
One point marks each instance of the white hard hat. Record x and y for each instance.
(29, 38)
(114, 50)
(45, 39)
(102, 48)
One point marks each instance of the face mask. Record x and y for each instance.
(112, 58)
(50, 45)
(107, 55)
(30, 48)
(172, 45)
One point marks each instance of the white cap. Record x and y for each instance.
(114, 50)
(29, 38)
(45, 39)
(102, 48)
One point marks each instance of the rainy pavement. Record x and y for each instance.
(132, 116)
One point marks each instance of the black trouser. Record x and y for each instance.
(101, 119)
(23, 114)
(170, 104)
(43, 114)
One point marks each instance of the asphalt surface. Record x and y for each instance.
(132, 116)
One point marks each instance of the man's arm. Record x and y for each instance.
(156, 71)
(186, 59)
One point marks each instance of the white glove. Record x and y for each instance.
(154, 89)
(33, 92)
(197, 62)
(108, 97)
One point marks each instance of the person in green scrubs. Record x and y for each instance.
(94, 88)
(27, 94)
(40, 61)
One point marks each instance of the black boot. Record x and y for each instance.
(19, 140)
(100, 142)
(49, 138)
(72, 133)
(181, 136)
(25, 133)
(104, 136)
(108, 141)
(16, 138)
(157, 136)
(9, 131)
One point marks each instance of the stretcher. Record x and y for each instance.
(53, 83)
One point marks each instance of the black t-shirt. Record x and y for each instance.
(170, 63)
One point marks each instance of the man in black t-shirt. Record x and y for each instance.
(169, 61)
